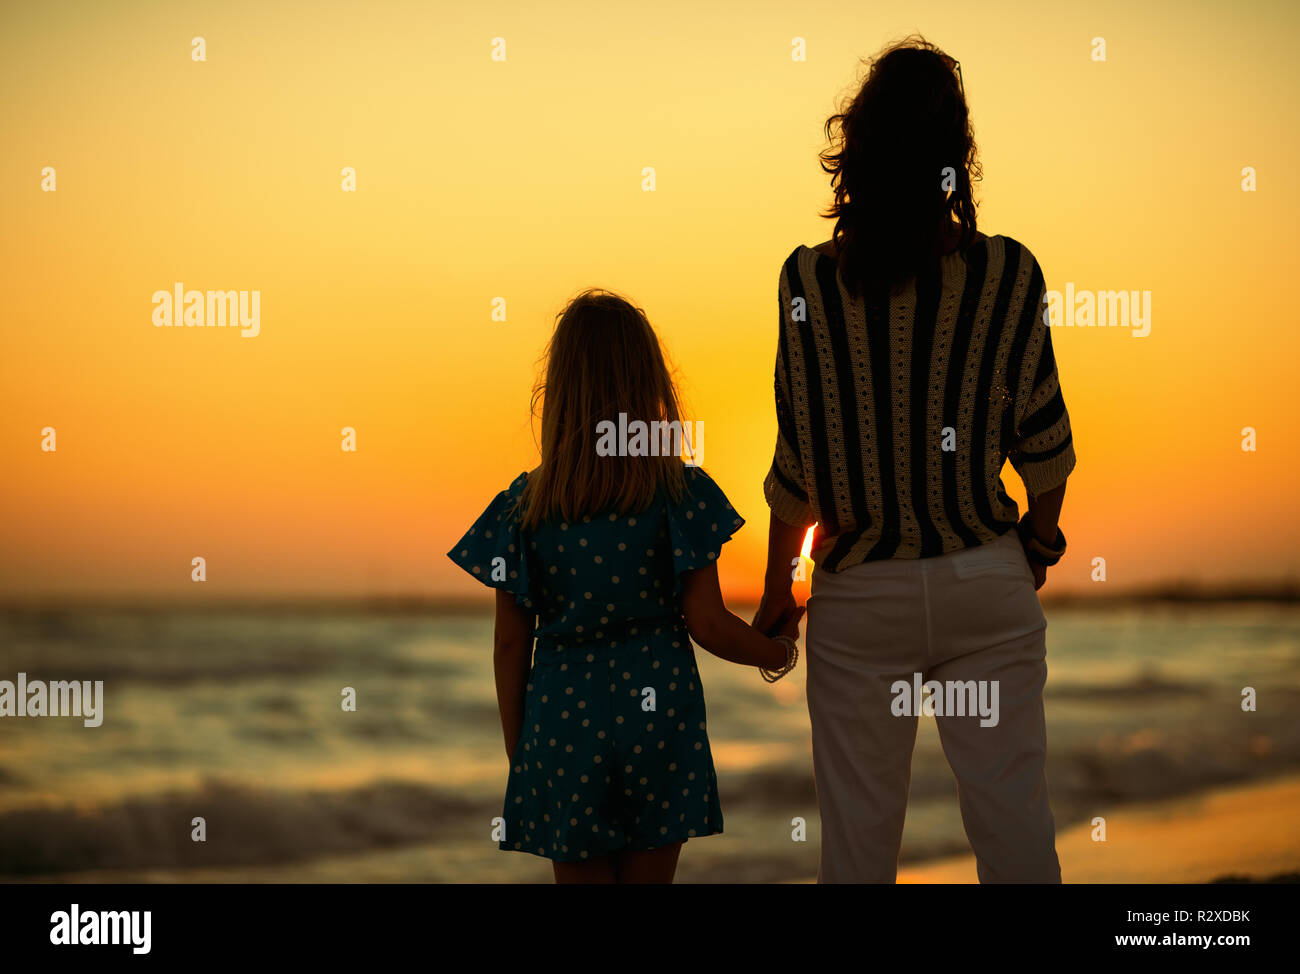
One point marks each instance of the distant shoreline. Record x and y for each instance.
(1168, 593)
(1180, 593)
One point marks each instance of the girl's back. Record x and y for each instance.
(597, 580)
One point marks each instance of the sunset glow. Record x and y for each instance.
(522, 180)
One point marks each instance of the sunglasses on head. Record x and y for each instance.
(955, 67)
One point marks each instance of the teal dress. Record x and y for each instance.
(614, 752)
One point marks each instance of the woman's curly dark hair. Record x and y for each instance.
(889, 149)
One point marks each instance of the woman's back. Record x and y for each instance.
(895, 413)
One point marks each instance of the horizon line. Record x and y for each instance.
(1285, 591)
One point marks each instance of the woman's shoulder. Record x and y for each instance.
(829, 249)
(1013, 247)
(799, 269)
(826, 249)
(800, 256)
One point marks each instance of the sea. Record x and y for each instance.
(225, 752)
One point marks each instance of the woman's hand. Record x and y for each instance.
(783, 544)
(791, 625)
(1044, 514)
(776, 612)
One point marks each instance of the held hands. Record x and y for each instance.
(779, 615)
(789, 624)
(779, 620)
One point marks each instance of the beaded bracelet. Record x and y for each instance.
(791, 658)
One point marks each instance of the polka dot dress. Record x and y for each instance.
(615, 750)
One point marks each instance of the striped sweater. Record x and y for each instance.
(896, 414)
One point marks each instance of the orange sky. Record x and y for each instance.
(522, 179)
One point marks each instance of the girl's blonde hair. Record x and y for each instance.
(603, 359)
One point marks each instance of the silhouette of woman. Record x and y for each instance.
(913, 360)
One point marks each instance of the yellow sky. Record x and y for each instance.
(522, 180)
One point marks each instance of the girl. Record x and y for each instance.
(610, 564)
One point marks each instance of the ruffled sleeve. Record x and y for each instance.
(700, 523)
(493, 549)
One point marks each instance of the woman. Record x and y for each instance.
(914, 359)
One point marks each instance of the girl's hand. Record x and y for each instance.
(1040, 574)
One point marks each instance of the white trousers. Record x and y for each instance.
(971, 615)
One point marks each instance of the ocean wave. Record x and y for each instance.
(245, 827)
(1145, 685)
